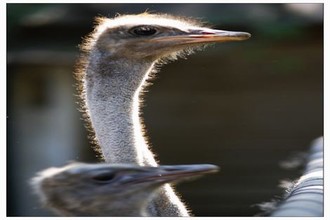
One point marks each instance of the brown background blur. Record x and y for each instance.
(245, 106)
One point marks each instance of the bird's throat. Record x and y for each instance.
(112, 97)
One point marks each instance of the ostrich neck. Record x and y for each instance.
(112, 99)
(112, 95)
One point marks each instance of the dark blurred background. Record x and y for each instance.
(247, 106)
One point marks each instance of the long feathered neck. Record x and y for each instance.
(112, 97)
(111, 89)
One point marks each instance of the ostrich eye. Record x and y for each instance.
(143, 31)
(104, 177)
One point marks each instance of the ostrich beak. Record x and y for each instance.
(207, 35)
(204, 35)
(174, 173)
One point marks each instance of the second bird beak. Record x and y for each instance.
(174, 173)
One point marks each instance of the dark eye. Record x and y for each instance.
(144, 31)
(104, 177)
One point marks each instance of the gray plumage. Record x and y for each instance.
(118, 58)
(80, 189)
(306, 197)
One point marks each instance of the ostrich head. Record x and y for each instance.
(80, 189)
(153, 36)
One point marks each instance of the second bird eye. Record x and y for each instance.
(144, 30)
(104, 177)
